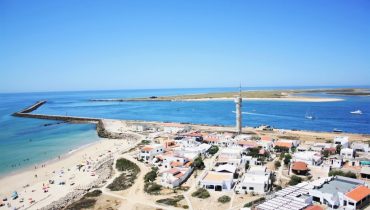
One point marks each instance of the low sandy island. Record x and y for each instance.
(265, 95)
(290, 99)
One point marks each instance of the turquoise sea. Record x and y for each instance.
(26, 142)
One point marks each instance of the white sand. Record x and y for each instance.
(64, 169)
(291, 99)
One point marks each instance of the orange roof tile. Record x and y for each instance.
(314, 207)
(248, 143)
(359, 193)
(216, 176)
(266, 138)
(175, 163)
(188, 164)
(284, 144)
(147, 148)
(299, 166)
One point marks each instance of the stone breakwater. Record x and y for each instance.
(27, 113)
(100, 128)
(104, 171)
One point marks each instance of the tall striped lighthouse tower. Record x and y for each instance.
(238, 111)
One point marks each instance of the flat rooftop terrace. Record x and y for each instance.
(338, 184)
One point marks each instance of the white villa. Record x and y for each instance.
(256, 180)
(217, 181)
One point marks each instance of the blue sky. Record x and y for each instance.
(94, 45)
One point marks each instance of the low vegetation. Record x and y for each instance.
(224, 199)
(198, 164)
(145, 142)
(342, 173)
(126, 165)
(87, 201)
(127, 178)
(213, 150)
(152, 188)
(151, 175)
(294, 180)
(250, 204)
(201, 193)
(281, 149)
(287, 158)
(94, 193)
(171, 201)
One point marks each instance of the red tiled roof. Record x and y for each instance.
(266, 138)
(248, 143)
(147, 148)
(172, 171)
(359, 193)
(284, 144)
(175, 163)
(194, 134)
(314, 207)
(299, 166)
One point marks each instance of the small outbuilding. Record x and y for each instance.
(300, 168)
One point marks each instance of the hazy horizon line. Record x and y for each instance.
(169, 88)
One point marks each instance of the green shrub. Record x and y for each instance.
(94, 193)
(213, 149)
(152, 188)
(126, 179)
(287, 159)
(250, 204)
(151, 175)
(295, 180)
(145, 142)
(342, 173)
(82, 204)
(224, 199)
(201, 193)
(171, 201)
(125, 165)
(198, 163)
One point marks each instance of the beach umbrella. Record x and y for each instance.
(15, 195)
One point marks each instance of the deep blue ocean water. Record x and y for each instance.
(25, 142)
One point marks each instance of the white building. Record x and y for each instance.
(147, 153)
(175, 177)
(217, 181)
(340, 192)
(226, 168)
(256, 180)
(342, 140)
(335, 161)
(309, 157)
(360, 147)
(347, 153)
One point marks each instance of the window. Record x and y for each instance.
(244, 188)
(210, 187)
(351, 204)
(251, 188)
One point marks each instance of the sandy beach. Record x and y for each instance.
(289, 99)
(34, 186)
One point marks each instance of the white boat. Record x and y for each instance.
(335, 130)
(309, 116)
(356, 112)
